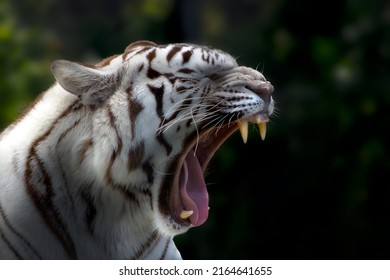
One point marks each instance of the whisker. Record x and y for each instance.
(188, 115)
(197, 133)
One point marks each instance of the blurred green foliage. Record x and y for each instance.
(317, 187)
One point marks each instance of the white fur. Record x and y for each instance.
(71, 150)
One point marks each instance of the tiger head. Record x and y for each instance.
(160, 114)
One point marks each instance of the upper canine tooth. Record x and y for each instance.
(186, 214)
(263, 129)
(243, 126)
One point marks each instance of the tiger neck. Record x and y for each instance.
(91, 156)
(116, 193)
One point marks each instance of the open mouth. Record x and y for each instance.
(184, 195)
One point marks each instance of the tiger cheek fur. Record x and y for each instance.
(108, 163)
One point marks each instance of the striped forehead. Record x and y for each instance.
(165, 53)
(178, 57)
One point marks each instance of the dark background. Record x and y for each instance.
(318, 186)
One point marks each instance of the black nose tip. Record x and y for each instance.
(263, 90)
(267, 88)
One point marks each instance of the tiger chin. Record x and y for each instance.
(108, 163)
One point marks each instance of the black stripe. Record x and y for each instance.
(113, 125)
(186, 71)
(153, 74)
(205, 55)
(135, 156)
(154, 237)
(60, 138)
(164, 253)
(44, 203)
(107, 175)
(118, 187)
(151, 55)
(172, 52)
(148, 193)
(130, 196)
(90, 211)
(63, 135)
(186, 56)
(135, 108)
(158, 93)
(131, 49)
(115, 153)
(186, 104)
(18, 234)
(82, 153)
(6, 241)
(148, 169)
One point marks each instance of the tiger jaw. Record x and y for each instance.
(243, 128)
(185, 198)
(188, 198)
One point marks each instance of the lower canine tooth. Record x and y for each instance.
(186, 214)
(263, 129)
(243, 126)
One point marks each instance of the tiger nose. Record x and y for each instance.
(264, 90)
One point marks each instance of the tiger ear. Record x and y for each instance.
(93, 86)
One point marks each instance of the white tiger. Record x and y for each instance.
(108, 163)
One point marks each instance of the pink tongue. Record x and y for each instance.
(193, 190)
